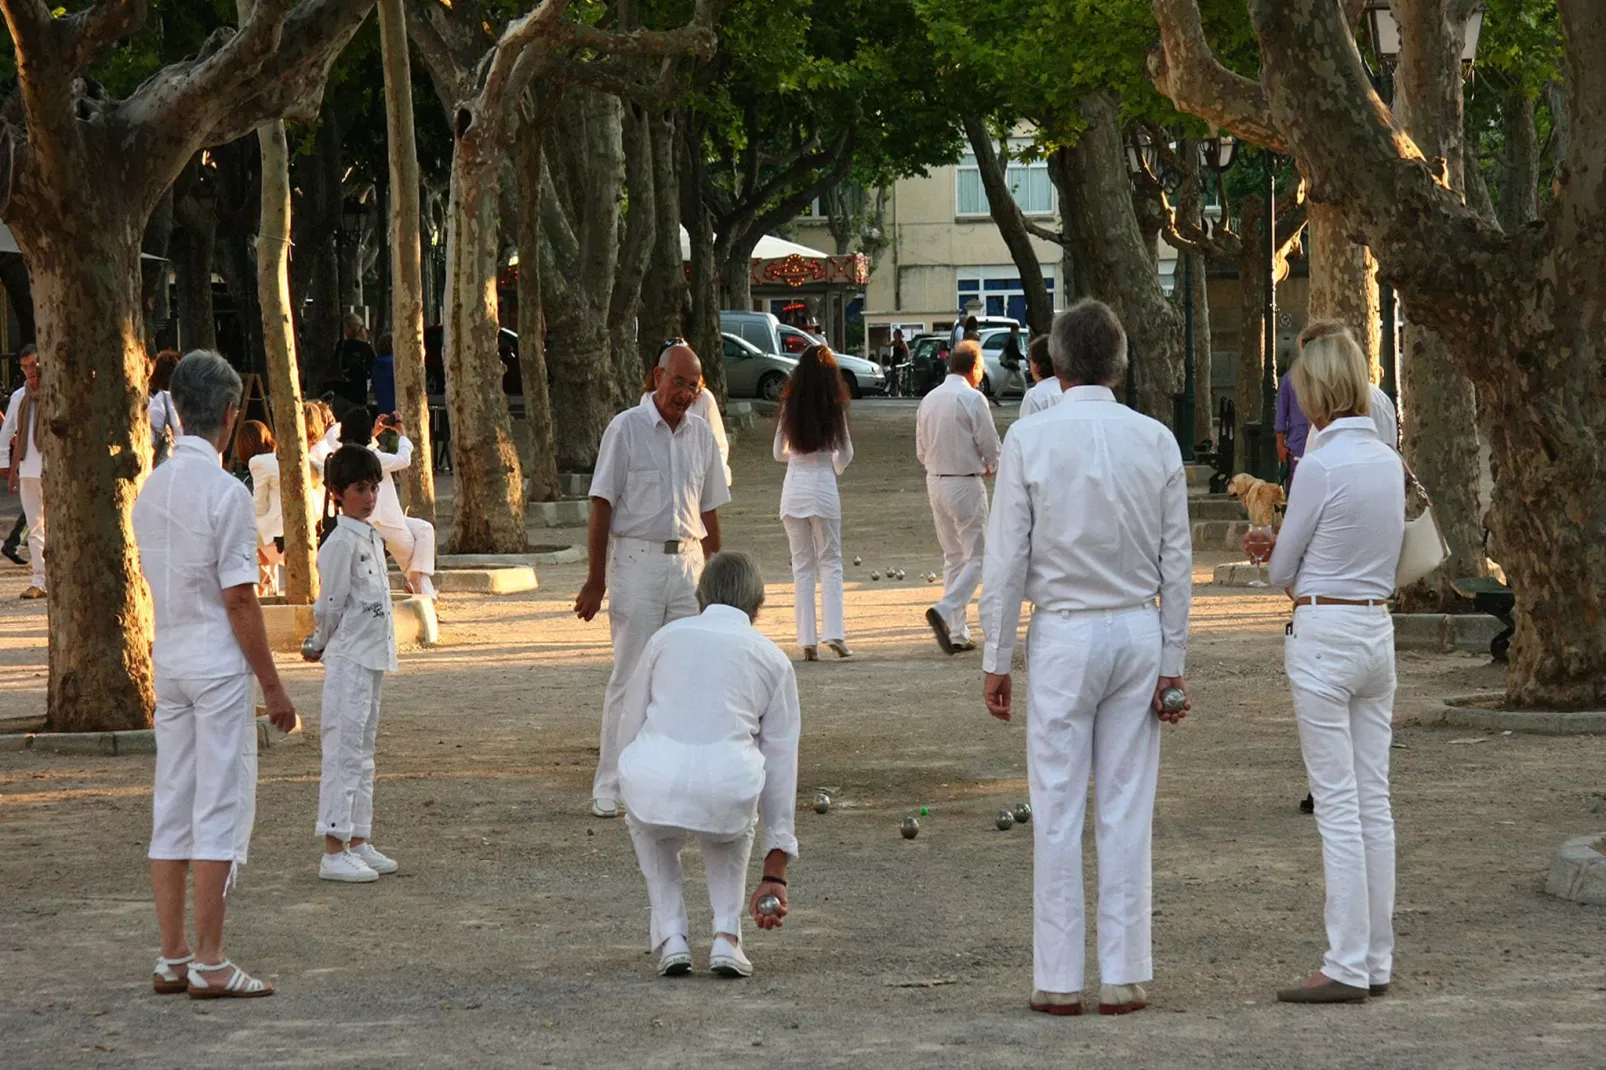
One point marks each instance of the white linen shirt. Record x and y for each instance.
(709, 730)
(1090, 511)
(353, 609)
(196, 533)
(388, 510)
(1345, 524)
(33, 464)
(810, 486)
(659, 481)
(161, 411)
(265, 490)
(1044, 394)
(954, 430)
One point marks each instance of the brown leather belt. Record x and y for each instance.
(1323, 600)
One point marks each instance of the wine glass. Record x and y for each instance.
(1258, 543)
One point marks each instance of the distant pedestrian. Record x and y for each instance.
(22, 464)
(1293, 428)
(1046, 391)
(354, 363)
(254, 445)
(165, 424)
(384, 375)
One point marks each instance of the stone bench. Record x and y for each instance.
(287, 626)
(1219, 534)
(1215, 507)
(510, 579)
(567, 513)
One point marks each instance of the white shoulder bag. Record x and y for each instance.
(1423, 548)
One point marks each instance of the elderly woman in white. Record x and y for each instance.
(709, 733)
(1337, 554)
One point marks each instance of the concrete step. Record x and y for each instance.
(1445, 632)
(568, 513)
(1199, 476)
(515, 579)
(1215, 507)
(1219, 534)
(574, 484)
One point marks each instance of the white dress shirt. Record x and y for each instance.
(954, 430)
(197, 536)
(32, 466)
(265, 489)
(710, 727)
(353, 607)
(161, 412)
(1090, 511)
(810, 486)
(659, 481)
(1345, 524)
(1384, 418)
(1044, 394)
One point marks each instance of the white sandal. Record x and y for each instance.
(240, 984)
(168, 981)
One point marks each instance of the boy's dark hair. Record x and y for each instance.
(357, 426)
(351, 464)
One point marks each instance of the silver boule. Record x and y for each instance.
(769, 906)
(875, 575)
(1004, 821)
(910, 828)
(858, 561)
(1173, 699)
(822, 803)
(1023, 813)
(308, 651)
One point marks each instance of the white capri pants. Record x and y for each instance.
(816, 543)
(204, 800)
(959, 511)
(412, 544)
(647, 589)
(31, 491)
(349, 729)
(725, 860)
(1090, 692)
(1340, 665)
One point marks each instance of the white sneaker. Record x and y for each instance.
(374, 859)
(346, 867)
(727, 960)
(602, 806)
(675, 958)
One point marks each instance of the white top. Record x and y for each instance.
(704, 406)
(320, 450)
(1090, 511)
(353, 607)
(954, 430)
(388, 510)
(33, 464)
(658, 481)
(1044, 394)
(810, 487)
(1384, 418)
(709, 729)
(197, 536)
(957, 335)
(265, 489)
(1345, 524)
(160, 411)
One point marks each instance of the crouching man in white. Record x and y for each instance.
(196, 529)
(1090, 523)
(710, 726)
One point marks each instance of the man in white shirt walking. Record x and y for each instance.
(23, 466)
(658, 484)
(956, 442)
(1091, 525)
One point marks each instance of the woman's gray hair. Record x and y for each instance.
(203, 386)
(731, 579)
(1088, 344)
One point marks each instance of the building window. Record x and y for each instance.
(1028, 180)
(998, 289)
(813, 210)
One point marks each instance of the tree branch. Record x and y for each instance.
(1186, 70)
(695, 37)
(448, 71)
(91, 31)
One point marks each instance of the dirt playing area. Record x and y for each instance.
(515, 933)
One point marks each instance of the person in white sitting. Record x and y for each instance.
(410, 539)
(709, 728)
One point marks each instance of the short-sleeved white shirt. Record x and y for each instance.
(195, 526)
(659, 481)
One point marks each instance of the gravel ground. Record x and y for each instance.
(515, 932)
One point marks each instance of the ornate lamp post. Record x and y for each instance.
(1268, 377)
(1215, 155)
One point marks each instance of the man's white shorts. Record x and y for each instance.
(204, 803)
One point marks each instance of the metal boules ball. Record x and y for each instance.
(900, 573)
(857, 561)
(1173, 699)
(910, 828)
(1005, 821)
(1023, 813)
(822, 803)
(875, 575)
(769, 906)
(308, 651)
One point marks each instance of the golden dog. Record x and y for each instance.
(1260, 498)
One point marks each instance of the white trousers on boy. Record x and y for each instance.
(959, 513)
(816, 543)
(1090, 692)
(725, 860)
(349, 729)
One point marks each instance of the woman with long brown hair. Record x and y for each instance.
(811, 436)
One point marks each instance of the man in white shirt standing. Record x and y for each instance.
(658, 484)
(196, 530)
(23, 466)
(956, 442)
(1091, 525)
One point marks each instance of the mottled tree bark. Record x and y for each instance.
(1011, 224)
(541, 473)
(193, 243)
(663, 295)
(1343, 281)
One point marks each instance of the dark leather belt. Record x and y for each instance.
(958, 475)
(1323, 600)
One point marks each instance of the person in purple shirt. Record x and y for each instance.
(1293, 427)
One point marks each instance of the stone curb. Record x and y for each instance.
(1454, 713)
(1445, 632)
(1215, 507)
(568, 555)
(568, 513)
(1578, 871)
(512, 580)
(125, 743)
(1219, 534)
(574, 484)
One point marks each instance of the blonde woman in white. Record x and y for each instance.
(811, 436)
(1337, 554)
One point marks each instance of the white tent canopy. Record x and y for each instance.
(769, 248)
(8, 244)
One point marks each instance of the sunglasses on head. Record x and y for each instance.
(669, 342)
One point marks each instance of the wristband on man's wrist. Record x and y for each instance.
(774, 880)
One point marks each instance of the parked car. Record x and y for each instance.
(752, 373)
(862, 376)
(996, 380)
(761, 330)
(928, 355)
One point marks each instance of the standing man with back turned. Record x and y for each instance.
(22, 463)
(658, 484)
(956, 442)
(1091, 525)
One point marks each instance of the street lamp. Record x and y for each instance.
(1268, 375)
(1215, 155)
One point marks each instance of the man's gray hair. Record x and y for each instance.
(203, 386)
(731, 579)
(1088, 344)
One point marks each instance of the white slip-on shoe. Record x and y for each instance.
(375, 859)
(727, 960)
(1122, 999)
(602, 806)
(674, 958)
(346, 867)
